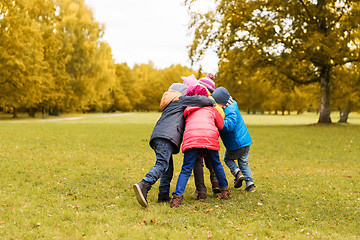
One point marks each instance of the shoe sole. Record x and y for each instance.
(216, 190)
(238, 182)
(252, 190)
(139, 196)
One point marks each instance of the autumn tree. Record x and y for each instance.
(158, 82)
(302, 40)
(22, 68)
(345, 93)
(89, 64)
(120, 98)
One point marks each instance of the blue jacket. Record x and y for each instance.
(235, 134)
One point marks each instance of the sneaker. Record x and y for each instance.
(175, 201)
(239, 178)
(225, 193)
(201, 196)
(250, 188)
(163, 198)
(141, 189)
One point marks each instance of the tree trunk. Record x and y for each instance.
(55, 111)
(32, 112)
(14, 112)
(325, 96)
(345, 115)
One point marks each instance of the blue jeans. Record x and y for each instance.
(242, 156)
(190, 157)
(164, 166)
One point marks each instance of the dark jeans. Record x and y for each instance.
(199, 175)
(190, 157)
(164, 166)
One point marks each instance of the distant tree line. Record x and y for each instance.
(53, 60)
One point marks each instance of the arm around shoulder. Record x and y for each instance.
(197, 101)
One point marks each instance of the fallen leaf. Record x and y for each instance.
(208, 210)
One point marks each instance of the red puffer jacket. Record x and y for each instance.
(201, 128)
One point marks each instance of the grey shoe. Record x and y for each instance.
(250, 188)
(141, 189)
(239, 178)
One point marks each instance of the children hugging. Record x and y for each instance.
(197, 113)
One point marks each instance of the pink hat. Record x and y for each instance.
(197, 90)
(190, 80)
(208, 82)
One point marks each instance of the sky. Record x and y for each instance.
(140, 31)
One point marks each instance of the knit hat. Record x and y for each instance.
(180, 87)
(221, 95)
(197, 90)
(190, 80)
(208, 82)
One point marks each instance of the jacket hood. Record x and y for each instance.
(189, 110)
(168, 97)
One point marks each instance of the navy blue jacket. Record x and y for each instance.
(171, 123)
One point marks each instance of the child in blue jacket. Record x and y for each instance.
(236, 139)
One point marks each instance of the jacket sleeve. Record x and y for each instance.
(197, 101)
(230, 121)
(219, 121)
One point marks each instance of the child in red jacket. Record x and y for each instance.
(201, 136)
(201, 190)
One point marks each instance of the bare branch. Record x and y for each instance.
(320, 5)
(347, 61)
(307, 10)
(291, 77)
(294, 79)
(338, 19)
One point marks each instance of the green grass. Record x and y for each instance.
(73, 179)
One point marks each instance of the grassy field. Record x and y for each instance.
(72, 179)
